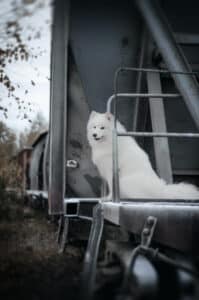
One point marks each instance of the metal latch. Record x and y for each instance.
(148, 231)
(71, 163)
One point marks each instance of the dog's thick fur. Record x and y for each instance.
(137, 177)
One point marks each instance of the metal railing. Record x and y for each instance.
(115, 97)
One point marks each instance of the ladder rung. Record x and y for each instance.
(139, 96)
(159, 134)
(149, 70)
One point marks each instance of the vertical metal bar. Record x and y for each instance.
(90, 260)
(45, 164)
(139, 79)
(58, 106)
(60, 228)
(64, 235)
(103, 189)
(160, 30)
(115, 187)
(115, 97)
(115, 168)
(161, 145)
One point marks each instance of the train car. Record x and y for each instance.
(36, 166)
(24, 158)
(35, 171)
(138, 60)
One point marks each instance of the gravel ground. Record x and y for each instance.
(30, 266)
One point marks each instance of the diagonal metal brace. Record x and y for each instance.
(90, 260)
(62, 234)
(146, 238)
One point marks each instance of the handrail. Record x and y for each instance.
(115, 97)
(140, 95)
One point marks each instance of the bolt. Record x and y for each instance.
(146, 231)
(150, 221)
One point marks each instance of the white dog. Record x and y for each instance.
(137, 177)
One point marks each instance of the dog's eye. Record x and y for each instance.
(94, 127)
(102, 127)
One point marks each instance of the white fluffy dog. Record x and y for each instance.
(137, 177)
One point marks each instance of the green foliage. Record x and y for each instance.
(28, 137)
(9, 172)
(8, 202)
(8, 146)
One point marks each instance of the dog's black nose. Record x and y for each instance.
(94, 135)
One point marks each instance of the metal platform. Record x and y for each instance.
(177, 222)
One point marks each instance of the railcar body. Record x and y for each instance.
(109, 48)
(36, 166)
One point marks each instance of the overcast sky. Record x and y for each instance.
(35, 69)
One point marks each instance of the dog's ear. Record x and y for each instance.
(92, 114)
(109, 116)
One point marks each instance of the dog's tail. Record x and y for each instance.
(181, 191)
